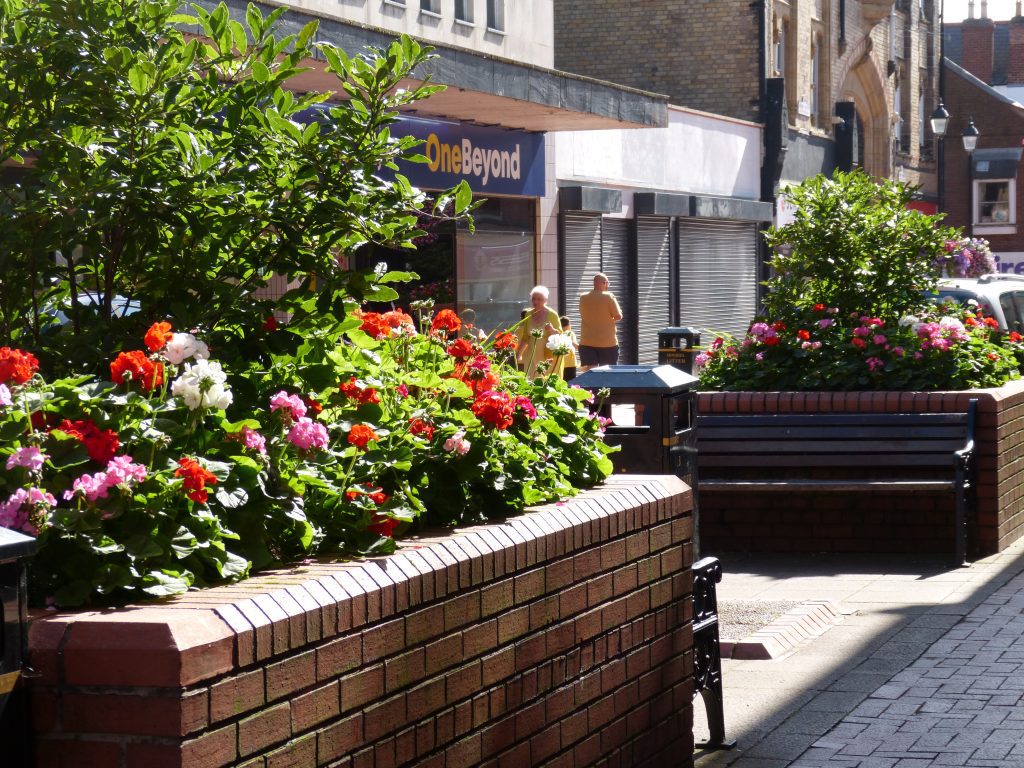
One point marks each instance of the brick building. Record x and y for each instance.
(836, 83)
(984, 80)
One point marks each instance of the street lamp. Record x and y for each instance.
(940, 123)
(970, 138)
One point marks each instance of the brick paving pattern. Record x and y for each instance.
(958, 704)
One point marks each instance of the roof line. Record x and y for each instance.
(977, 82)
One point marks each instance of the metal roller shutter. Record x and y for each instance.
(654, 286)
(581, 258)
(717, 275)
(615, 259)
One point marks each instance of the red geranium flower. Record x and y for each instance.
(135, 366)
(375, 325)
(505, 340)
(397, 318)
(312, 405)
(270, 324)
(446, 320)
(858, 342)
(803, 335)
(16, 366)
(360, 436)
(778, 326)
(356, 393)
(819, 307)
(421, 427)
(157, 336)
(991, 322)
(196, 478)
(494, 408)
(461, 349)
(1014, 336)
(771, 341)
(383, 525)
(100, 444)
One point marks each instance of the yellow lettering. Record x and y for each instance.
(433, 152)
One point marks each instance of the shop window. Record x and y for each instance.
(994, 202)
(464, 11)
(431, 7)
(496, 15)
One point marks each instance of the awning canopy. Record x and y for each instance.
(485, 89)
(1001, 163)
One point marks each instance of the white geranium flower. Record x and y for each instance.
(203, 384)
(560, 344)
(908, 321)
(183, 346)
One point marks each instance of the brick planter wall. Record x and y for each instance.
(862, 522)
(562, 637)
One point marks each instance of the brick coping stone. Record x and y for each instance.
(240, 673)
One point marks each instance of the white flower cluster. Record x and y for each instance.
(560, 344)
(202, 385)
(183, 346)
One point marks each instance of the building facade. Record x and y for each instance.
(836, 83)
(983, 191)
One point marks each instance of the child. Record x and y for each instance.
(570, 359)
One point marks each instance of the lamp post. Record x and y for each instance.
(940, 123)
(970, 138)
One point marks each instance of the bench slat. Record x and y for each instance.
(834, 446)
(827, 485)
(881, 460)
(865, 432)
(833, 419)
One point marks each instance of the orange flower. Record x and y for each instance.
(157, 336)
(196, 478)
(383, 525)
(446, 320)
(16, 366)
(461, 349)
(397, 318)
(356, 393)
(375, 325)
(505, 340)
(360, 436)
(421, 427)
(135, 366)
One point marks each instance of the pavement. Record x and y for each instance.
(925, 669)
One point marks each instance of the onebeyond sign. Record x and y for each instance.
(488, 159)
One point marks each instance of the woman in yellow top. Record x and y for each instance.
(541, 324)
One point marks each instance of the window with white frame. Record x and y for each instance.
(496, 15)
(994, 202)
(815, 79)
(464, 11)
(431, 6)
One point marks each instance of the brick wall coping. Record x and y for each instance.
(205, 634)
(855, 401)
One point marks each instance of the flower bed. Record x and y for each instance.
(895, 522)
(561, 635)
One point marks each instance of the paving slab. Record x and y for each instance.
(925, 669)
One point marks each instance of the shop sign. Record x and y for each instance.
(490, 160)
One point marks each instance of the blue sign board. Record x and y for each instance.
(491, 160)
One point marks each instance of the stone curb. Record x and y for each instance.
(794, 628)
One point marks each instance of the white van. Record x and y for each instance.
(1001, 296)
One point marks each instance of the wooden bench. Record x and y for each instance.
(841, 453)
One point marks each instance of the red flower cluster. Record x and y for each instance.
(495, 408)
(421, 427)
(358, 394)
(477, 374)
(196, 478)
(360, 436)
(505, 340)
(383, 525)
(375, 325)
(270, 324)
(460, 349)
(313, 405)
(803, 335)
(372, 492)
(100, 444)
(135, 366)
(446, 320)
(16, 366)
(157, 336)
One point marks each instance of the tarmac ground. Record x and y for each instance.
(925, 669)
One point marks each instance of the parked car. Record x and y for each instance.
(1001, 296)
(119, 305)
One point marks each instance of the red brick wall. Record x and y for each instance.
(978, 40)
(861, 521)
(562, 637)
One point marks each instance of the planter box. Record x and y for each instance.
(560, 637)
(893, 522)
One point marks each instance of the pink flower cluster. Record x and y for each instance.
(291, 406)
(29, 457)
(943, 335)
(457, 443)
(762, 332)
(307, 434)
(120, 471)
(251, 439)
(17, 512)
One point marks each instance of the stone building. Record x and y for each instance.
(836, 83)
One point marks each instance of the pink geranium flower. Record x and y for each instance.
(291, 406)
(307, 434)
(29, 457)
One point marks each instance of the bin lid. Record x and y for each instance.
(15, 546)
(678, 331)
(666, 379)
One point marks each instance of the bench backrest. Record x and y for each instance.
(833, 440)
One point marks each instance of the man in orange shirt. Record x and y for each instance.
(599, 311)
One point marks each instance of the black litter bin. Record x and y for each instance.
(15, 551)
(650, 409)
(677, 346)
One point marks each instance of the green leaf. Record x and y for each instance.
(231, 498)
(260, 72)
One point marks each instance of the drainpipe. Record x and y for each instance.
(761, 7)
(842, 24)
